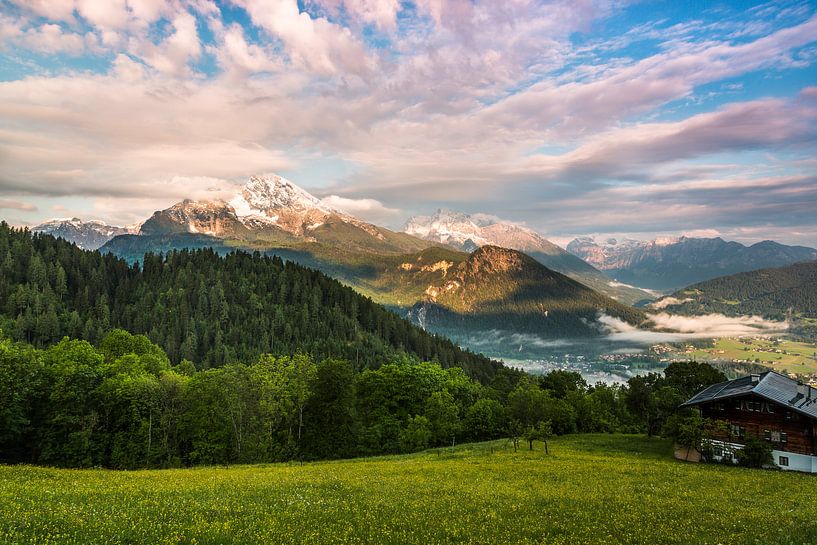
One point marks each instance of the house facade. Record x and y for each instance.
(770, 406)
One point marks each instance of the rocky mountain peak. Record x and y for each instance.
(271, 193)
(492, 259)
(467, 231)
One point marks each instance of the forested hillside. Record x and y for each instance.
(122, 404)
(203, 307)
(773, 293)
(498, 288)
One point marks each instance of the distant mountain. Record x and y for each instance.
(671, 263)
(470, 231)
(499, 288)
(88, 235)
(778, 293)
(270, 211)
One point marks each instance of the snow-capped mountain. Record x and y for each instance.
(671, 263)
(470, 231)
(273, 209)
(88, 235)
(613, 253)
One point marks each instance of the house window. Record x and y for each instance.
(788, 415)
(783, 461)
(770, 408)
(738, 431)
(775, 437)
(767, 435)
(784, 437)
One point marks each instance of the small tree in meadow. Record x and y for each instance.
(541, 432)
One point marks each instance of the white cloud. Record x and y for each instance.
(55, 10)
(171, 55)
(368, 209)
(381, 13)
(674, 328)
(316, 44)
(667, 302)
(108, 14)
(238, 57)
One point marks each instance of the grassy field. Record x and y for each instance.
(795, 357)
(591, 489)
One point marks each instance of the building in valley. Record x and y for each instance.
(771, 406)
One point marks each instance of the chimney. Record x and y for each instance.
(802, 389)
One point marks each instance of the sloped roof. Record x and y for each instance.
(769, 385)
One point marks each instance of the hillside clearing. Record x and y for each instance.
(591, 489)
(783, 356)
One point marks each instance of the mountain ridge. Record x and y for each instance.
(671, 263)
(88, 235)
(468, 232)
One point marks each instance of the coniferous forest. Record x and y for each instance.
(205, 308)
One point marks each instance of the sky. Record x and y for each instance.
(574, 117)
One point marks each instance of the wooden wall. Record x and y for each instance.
(801, 430)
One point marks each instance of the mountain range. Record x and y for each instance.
(434, 283)
(88, 235)
(470, 231)
(450, 272)
(671, 263)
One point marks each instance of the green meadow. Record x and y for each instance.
(590, 489)
(793, 357)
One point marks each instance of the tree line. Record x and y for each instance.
(122, 404)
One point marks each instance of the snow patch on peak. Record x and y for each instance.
(467, 231)
(273, 192)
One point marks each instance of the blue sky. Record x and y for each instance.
(574, 117)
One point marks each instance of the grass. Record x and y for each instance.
(610, 489)
(798, 357)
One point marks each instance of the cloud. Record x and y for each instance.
(368, 209)
(240, 58)
(171, 55)
(380, 13)
(674, 328)
(17, 205)
(667, 302)
(496, 337)
(315, 43)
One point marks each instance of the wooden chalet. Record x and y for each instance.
(770, 406)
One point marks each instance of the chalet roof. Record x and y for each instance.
(769, 385)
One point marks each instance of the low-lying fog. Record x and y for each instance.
(614, 356)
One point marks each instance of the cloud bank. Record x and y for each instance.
(673, 328)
